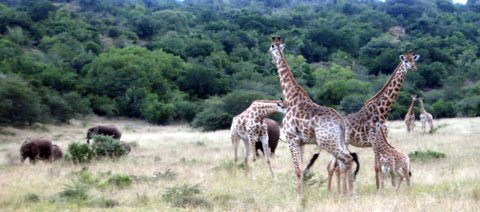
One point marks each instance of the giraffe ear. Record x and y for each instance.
(282, 47)
(416, 57)
(402, 57)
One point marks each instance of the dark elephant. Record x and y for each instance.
(37, 149)
(108, 130)
(57, 152)
(273, 136)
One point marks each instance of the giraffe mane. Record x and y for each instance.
(282, 57)
(384, 86)
(385, 138)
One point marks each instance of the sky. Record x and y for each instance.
(460, 1)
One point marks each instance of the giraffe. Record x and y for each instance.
(388, 160)
(305, 122)
(410, 116)
(425, 116)
(378, 107)
(250, 127)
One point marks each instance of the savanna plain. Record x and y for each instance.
(175, 168)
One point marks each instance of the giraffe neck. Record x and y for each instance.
(385, 98)
(422, 107)
(380, 142)
(410, 109)
(292, 91)
(263, 109)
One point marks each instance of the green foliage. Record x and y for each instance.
(185, 195)
(119, 180)
(217, 112)
(19, 104)
(425, 155)
(79, 152)
(160, 60)
(31, 197)
(106, 146)
(443, 109)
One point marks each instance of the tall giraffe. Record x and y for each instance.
(250, 127)
(308, 123)
(360, 122)
(425, 116)
(410, 116)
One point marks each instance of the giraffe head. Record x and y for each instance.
(414, 97)
(281, 106)
(408, 60)
(276, 49)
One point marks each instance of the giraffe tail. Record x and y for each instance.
(410, 173)
(355, 159)
(311, 162)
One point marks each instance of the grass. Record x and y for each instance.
(177, 167)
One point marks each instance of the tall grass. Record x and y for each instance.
(169, 162)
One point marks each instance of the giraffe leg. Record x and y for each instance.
(339, 179)
(343, 177)
(264, 140)
(295, 149)
(392, 174)
(400, 181)
(377, 177)
(408, 175)
(382, 181)
(245, 155)
(330, 171)
(235, 142)
(252, 141)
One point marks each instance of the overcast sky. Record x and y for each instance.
(460, 1)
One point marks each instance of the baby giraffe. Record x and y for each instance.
(425, 116)
(250, 127)
(410, 116)
(389, 160)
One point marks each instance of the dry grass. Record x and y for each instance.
(449, 184)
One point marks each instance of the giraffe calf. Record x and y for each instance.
(388, 160)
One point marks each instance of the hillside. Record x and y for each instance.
(203, 62)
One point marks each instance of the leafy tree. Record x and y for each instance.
(19, 104)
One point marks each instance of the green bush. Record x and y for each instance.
(79, 153)
(31, 197)
(119, 180)
(425, 155)
(19, 104)
(106, 146)
(217, 112)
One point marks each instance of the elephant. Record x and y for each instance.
(273, 136)
(108, 130)
(37, 149)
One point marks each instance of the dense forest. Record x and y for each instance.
(204, 61)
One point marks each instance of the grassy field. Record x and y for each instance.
(180, 168)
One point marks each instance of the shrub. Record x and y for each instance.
(106, 146)
(19, 104)
(119, 180)
(425, 155)
(79, 153)
(217, 113)
(31, 197)
(185, 196)
(77, 191)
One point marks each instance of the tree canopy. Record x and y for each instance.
(204, 61)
